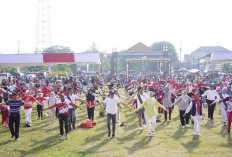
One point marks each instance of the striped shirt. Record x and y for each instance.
(63, 106)
(15, 105)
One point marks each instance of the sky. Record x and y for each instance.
(118, 24)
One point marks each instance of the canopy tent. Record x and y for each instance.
(221, 56)
(48, 58)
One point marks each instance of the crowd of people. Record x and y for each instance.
(148, 95)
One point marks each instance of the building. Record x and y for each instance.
(187, 58)
(197, 56)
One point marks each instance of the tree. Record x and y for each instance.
(37, 68)
(11, 70)
(57, 49)
(158, 46)
(63, 67)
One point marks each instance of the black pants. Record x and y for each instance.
(210, 108)
(184, 120)
(57, 111)
(39, 110)
(14, 119)
(0, 99)
(63, 121)
(5, 99)
(113, 117)
(91, 113)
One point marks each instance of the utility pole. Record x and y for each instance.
(180, 49)
(18, 47)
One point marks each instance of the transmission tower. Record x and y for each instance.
(43, 30)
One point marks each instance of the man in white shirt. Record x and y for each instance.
(211, 95)
(72, 111)
(140, 98)
(111, 110)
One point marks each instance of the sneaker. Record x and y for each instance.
(228, 131)
(140, 128)
(113, 136)
(187, 126)
(198, 134)
(183, 127)
(152, 133)
(149, 135)
(66, 136)
(37, 118)
(16, 139)
(12, 136)
(74, 127)
(61, 137)
(108, 134)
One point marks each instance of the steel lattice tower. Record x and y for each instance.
(43, 30)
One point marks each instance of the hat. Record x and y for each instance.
(111, 92)
(14, 94)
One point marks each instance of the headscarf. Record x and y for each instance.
(184, 97)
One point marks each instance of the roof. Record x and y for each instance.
(221, 56)
(139, 47)
(209, 49)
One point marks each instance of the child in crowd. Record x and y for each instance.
(197, 109)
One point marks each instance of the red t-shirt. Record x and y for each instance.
(63, 106)
(40, 100)
(90, 103)
(28, 99)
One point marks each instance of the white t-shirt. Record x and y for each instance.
(143, 97)
(73, 99)
(112, 105)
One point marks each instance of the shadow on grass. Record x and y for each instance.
(162, 125)
(95, 148)
(142, 144)
(193, 144)
(95, 138)
(180, 133)
(210, 124)
(43, 145)
(6, 142)
(130, 136)
(229, 140)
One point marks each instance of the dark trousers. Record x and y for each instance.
(57, 111)
(166, 114)
(63, 121)
(72, 117)
(39, 110)
(140, 115)
(184, 120)
(14, 119)
(210, 108)
(91, 113)
(0, 99)
(113, 117)
(5, 99)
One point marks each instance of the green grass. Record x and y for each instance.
(170, 139)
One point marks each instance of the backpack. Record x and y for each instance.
(89, 124)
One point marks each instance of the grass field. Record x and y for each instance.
(170, 139)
